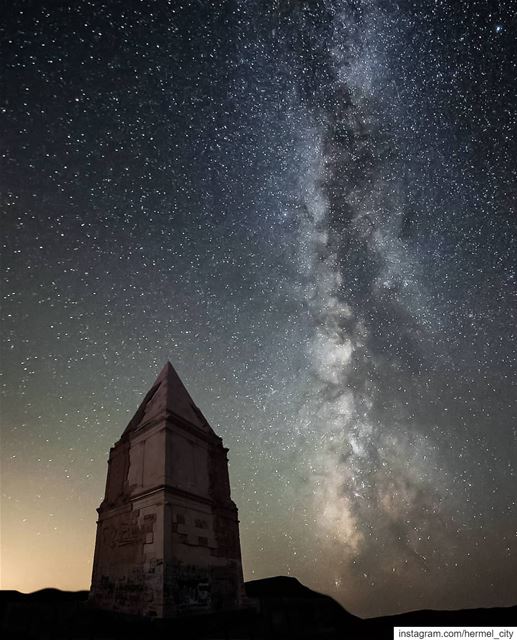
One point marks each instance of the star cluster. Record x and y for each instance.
(310, 209)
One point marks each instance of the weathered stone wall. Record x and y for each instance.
(187, 462)
(128, 567)
(199, 576)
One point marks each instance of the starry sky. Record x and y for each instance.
(310, 208)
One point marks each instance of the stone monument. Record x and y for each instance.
(168, 534)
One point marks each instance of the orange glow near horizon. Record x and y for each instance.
(48, 529)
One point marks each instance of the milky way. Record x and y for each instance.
(310, 209)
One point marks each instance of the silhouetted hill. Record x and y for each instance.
(45, 595)
(280, 608)
(280, 587)
(497, 616)
(290, 609)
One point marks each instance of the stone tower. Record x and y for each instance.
(167, 535)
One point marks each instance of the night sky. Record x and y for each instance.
(310, 208)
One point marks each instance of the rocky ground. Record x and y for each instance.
(279, 609)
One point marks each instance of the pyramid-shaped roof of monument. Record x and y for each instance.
(167, 396)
